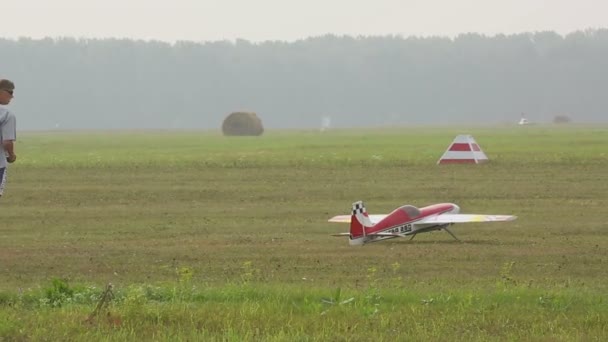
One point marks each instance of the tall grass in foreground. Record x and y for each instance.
(259, 312)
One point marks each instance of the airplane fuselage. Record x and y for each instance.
(408, 220)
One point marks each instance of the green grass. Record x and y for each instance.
(270, 312)
(215, 238)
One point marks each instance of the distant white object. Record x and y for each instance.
(523, 120)
(325, 123)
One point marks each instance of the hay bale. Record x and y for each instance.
(560, 119)
(242, 123)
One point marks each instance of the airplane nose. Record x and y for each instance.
(455, 209)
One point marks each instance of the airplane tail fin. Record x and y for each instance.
(358, 222)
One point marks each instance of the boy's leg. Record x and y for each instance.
(2, 179)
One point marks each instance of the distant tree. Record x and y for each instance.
(357, 81)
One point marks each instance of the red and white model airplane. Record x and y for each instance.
(405, 221)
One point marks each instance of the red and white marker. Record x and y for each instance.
(463, 150)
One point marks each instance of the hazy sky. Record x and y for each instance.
(259, 20)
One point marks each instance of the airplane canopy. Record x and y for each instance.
(411, 211)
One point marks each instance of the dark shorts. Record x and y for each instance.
(2, 179)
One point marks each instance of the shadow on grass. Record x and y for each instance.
(454, 242)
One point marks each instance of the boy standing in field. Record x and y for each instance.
(8, 130)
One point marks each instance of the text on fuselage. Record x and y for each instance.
(406, 228)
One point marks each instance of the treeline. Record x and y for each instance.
(109, 83)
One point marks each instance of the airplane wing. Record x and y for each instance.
(388, 234)
(346, 218)
(374, 234)
(461, 218)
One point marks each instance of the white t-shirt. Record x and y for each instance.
(8, 131)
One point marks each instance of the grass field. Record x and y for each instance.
(212, 238)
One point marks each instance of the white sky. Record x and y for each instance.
(260, 20)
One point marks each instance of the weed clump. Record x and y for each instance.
(59, 293)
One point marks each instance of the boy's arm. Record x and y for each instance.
(9, 134)
(10, 150)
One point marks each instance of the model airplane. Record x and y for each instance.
(405, 221)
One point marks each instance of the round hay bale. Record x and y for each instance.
(242, 123)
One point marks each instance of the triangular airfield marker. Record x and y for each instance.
(463, 150)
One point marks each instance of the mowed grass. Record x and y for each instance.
(216, 238)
